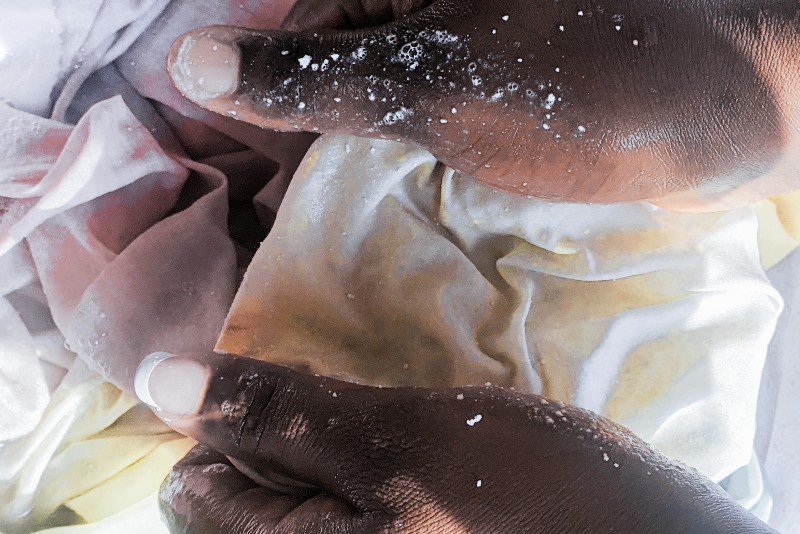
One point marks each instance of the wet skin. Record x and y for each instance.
(334, 457)
(694, 104)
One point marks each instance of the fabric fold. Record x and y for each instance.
(386, 268)
(67, 41)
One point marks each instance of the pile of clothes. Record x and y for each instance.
(132, 221)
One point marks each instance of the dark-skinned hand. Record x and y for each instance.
(693, 104)
(326, 456)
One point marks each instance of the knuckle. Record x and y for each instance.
(255, 407)
(247, 410)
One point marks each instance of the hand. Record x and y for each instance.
(563, 100)
(327, 456)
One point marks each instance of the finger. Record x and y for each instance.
(544, 101)
(370, 83)
(205, 493)
(286, 430)
(385, 456)
(384, 451)
(373, 449)
(348, 14)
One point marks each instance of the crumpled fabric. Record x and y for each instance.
(128, 217)
(778, 228)
(87, 210)
(50, 47)
(144, 516)
(115, 241)
(23, 390)
(386, 268)
(778, 418)
(95, 451)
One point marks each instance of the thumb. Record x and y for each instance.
(374, 459)
(370, 83)
(288, 431)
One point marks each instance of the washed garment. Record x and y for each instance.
(386, 268)
(104, 216)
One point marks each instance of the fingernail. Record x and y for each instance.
(203, 67)
(171, 383)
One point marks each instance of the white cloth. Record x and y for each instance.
(386, 268)
(77, 229)
(95, 451)
(48, 48)
(778, 440)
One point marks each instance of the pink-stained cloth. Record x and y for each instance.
(126, 224)
(123, 218)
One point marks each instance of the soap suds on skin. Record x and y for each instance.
(515, 79)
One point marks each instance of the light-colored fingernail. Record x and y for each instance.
(171, 383)
(204, 67)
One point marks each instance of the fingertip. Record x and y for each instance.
(142, 378)
(172, 384)
(205, 64)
